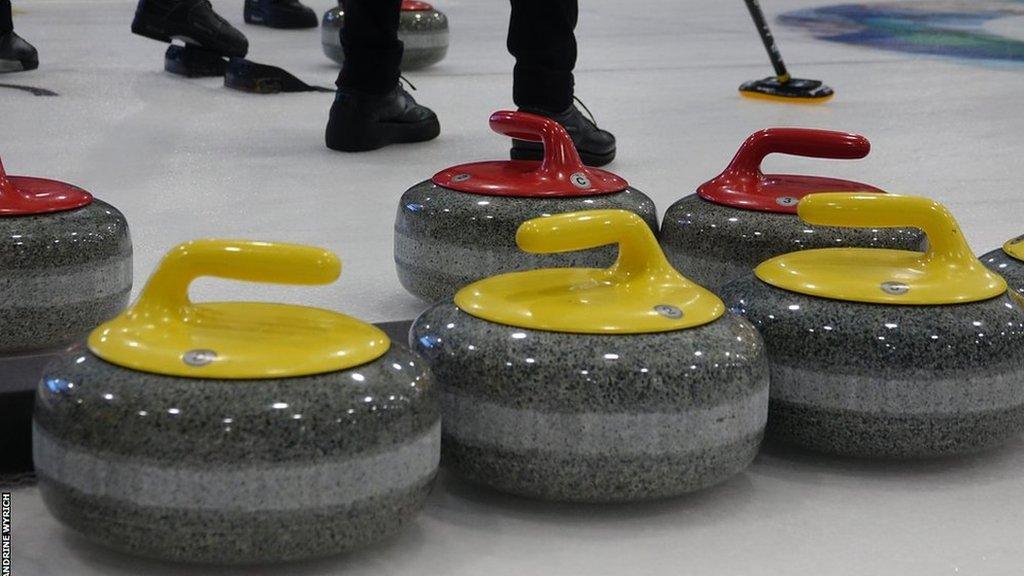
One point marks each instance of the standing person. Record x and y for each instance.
(372, 109)
(15, 53)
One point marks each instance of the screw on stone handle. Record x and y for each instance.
(807, 142)
(560, 156)
(639, 252)
(245, 260)
(946, 243)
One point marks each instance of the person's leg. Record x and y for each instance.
(373, 52)
(6, 23)
(541, 37)
(371, 109)
(15, 53)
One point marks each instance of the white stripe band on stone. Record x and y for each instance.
(928, 394)
(453, 262)
(233, 487)
(64, 285)
(424, 40)
(448, 258)
(480, 423)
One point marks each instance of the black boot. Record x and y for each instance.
(280, 14)
(595, 146)
(16, 54)
(361, 121)
(192, 21)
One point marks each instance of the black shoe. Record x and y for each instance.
(366, 122)
(192, 21)
(16, 54)
(595, 146)
(193, 62)
(280, 14)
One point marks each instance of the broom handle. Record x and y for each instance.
(769, 41)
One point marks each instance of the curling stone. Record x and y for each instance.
(1008, 262)
(65, 267)
(887, 353)
(421, 28)
(460, 226)
(236, 432)
(743, 216)
(595, 385)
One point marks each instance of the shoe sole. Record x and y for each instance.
(534, 151)
(7, 66)
(195, 69)
(379, 135)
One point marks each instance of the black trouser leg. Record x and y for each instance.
(373, 52)
(540, 36)
(6, 24)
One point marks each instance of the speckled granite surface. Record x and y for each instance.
(236, 471)
(889, 381)
(63, 274)
(595, 418)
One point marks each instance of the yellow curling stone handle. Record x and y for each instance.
(164, 332)
(639, 293)
(1015, 248)
(947, 273)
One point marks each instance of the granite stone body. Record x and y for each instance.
(423, 32)
(595, 418)
(874, 380)
(61, 274)
(445, 239)
(236, 471)
(1006, 266)
(713, 244)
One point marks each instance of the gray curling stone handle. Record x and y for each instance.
(808, 142)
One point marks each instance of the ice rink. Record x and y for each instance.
(185, 159)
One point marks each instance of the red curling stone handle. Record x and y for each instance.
(807, 142)
(559, 174)
(743, 185)
(560, 156)
(415, 6)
